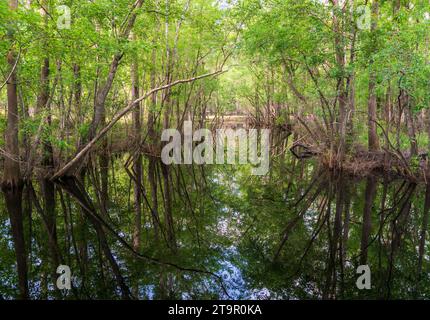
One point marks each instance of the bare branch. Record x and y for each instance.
(70, 165)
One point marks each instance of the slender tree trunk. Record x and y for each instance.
(410, 123)
(337, 231)
(74, 188)
(423, 232)
(137, 165)
(167, 103)
(373, 139)
(100, 100)
(370, 194)
(351, 78)
(104, 174)
(340, 61)
(345, 235)
(12, 184)
(396, 6)
(152, 176)
(137, 162)
(47, 186)
(168, 214)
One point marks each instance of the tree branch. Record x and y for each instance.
(70, 165)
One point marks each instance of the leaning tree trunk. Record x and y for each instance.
(77, 190)
(99, 116)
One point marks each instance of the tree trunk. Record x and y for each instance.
(351, 78)
(423, 232)
(168, 214)
(370, 193)
(12, 183)
(340, 61)
(137, 163)
(47, 186)
(152, 159)
(373, 139)
(410, 123)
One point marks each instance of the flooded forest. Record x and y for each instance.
(87, 88)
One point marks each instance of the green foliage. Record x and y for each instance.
(285, 59)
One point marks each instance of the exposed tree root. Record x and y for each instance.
(362, 163)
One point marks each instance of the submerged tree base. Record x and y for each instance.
(362, 163)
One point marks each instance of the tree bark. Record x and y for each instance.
(410, 123)
(373, 139)
(340, 61)
(152, 159)
(137, 163)
(12, 184)
(47, 186)
(99, 104)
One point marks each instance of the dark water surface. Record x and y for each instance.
(298, 233)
